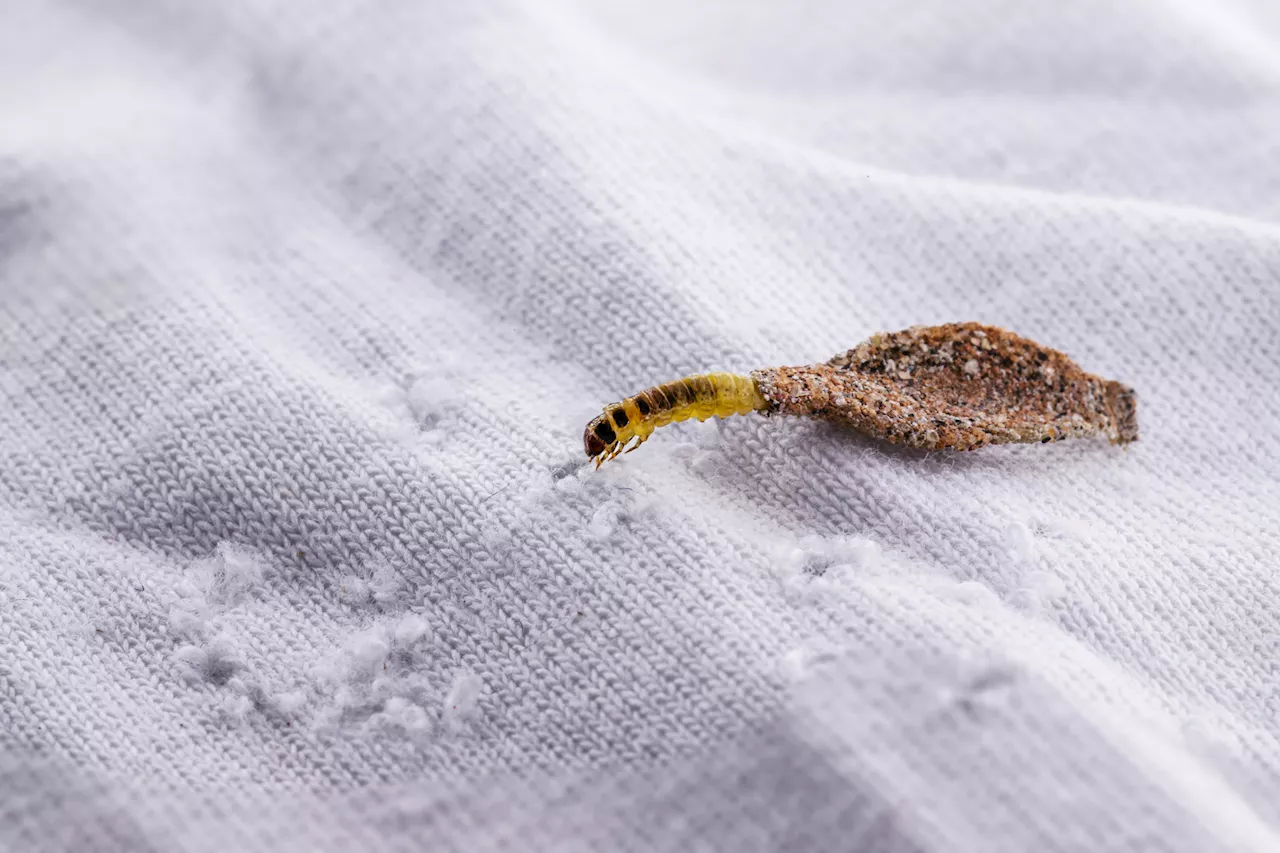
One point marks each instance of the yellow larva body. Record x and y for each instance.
(958, 386)
(707, 395)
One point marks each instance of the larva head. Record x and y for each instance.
(598, 437)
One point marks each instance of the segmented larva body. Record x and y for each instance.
(959, 386)
(707, 395)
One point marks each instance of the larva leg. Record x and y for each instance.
(634, 419)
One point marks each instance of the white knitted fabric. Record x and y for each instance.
(303, 308)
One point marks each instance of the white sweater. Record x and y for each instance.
(303, 308)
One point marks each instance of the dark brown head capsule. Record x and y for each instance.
(598, 436)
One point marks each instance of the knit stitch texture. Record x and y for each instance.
(303, 308)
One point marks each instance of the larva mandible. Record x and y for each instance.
(959, 386)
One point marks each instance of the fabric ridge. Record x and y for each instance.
(303, 312)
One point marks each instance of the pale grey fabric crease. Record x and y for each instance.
(303, 310)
